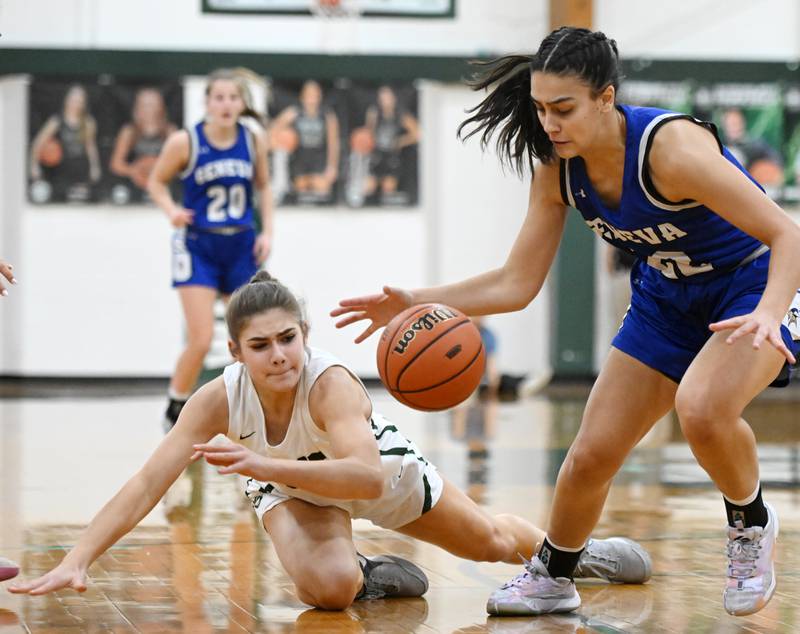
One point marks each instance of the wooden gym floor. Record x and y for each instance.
(199, 563)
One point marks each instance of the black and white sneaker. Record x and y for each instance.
(388, 576)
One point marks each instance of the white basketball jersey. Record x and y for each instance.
(304, 440)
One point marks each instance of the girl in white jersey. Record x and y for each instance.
(304, 431)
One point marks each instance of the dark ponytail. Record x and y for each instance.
(262, 293)
(508, 106)
(587, 55)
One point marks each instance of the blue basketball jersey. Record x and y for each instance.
(218, 184)
(683, 240)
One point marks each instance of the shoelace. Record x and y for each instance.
(591, 561)
(743, 554)
(532, 570)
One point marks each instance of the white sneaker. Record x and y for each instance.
(616, 559)
(534, 592)
(751, 568)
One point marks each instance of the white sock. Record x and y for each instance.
(178, 396)
(749, 499)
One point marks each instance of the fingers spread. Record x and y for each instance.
(366, 334)
(350, 319)
(726, 324)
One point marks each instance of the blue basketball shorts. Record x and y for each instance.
(219, 261)
(667, 322)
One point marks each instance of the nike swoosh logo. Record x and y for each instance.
(248, 435)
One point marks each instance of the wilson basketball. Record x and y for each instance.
(51, 153)
(362, 141)
(431, 357)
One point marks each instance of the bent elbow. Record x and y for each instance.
(373, 485)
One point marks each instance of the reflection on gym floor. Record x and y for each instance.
(200, 563)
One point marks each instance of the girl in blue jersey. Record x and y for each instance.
(716, 275)
(222, 162)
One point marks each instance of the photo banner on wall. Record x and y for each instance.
(95, 140)
(344, 142)
(791, 148)
(668, 95)
(750, 120)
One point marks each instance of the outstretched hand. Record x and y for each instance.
(761, 326)
(233, 458)
(62, 576)
(7, 271)
(379, 309)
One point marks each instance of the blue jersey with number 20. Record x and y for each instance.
(218, 183)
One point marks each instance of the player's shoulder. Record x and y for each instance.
(334, 387)
(333, 381)
(678, 143)
(178, 144)
(178, 138)
(547, 180)
(210, 404)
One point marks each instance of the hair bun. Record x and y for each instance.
(262, 276)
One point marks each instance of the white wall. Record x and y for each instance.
(94, 296)
(703, 29)
(681, 29)
(480, 25)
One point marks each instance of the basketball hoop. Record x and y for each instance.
(336, 8)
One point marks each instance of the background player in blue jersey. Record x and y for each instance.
(221, 161)
(716, 275)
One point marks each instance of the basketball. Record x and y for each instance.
(362, 141)
(431, 357)
(285, 139)
(51, 153)
(766, 172)
(140, 170)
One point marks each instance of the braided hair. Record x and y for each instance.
(508, 108)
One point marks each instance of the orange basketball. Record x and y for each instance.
(362, 141)
(431, 357)
(285, 139)
(140, 170)
(51, 153)
(766, 172)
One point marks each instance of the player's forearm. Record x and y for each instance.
(265, 209)
(784, 274)
(485, 294)
(343, 478)
(160, 195)
(119, 516)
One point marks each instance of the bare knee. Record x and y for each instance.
(492, 543)
(585, 464)
(701, 416)
(198, 344)
(330, 586)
